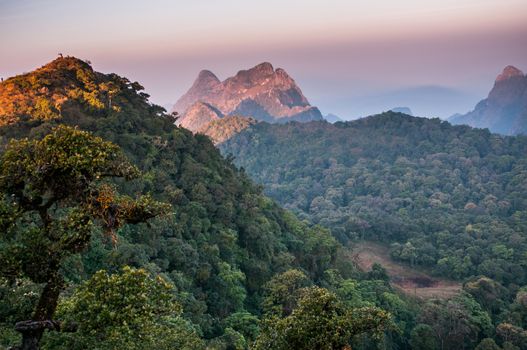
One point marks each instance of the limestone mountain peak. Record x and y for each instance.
(509, 72)
(264, 67)
(505, 109)
(261, 92)
(207, 75)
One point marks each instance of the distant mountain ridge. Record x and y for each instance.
(404, 110)
(504, 111)
(333, 118)
(262, 92)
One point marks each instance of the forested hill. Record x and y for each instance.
(454, 197)
(447, 199)
(220, 245)
(225, 267)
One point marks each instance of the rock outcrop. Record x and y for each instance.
(262, 92)
(504, 111)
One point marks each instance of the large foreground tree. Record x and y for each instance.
(130, 309)
(54, 194)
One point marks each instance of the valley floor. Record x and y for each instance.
(403, 277)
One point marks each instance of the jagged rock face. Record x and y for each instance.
(505, 109)
(254, 109)
(206, 84)
(198, 115)
(260, 92)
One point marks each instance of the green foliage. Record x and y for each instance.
(245, 324)
(282, 292)
(18, 299)
(378, 273)
(123, 300)
(8, 337)
(451, 197)
(455, 322)
(320, 321)
(235, 293)
(423, 338)
(128, 310)
(222, 129)
(372, 292)
(17, 302)
(51, 183)
(222, 241)
(488, 293)
(487, 344)
(448, 199)
(513, 334)
(50, 195)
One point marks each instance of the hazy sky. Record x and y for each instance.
(349, 57)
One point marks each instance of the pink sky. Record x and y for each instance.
(350, 57)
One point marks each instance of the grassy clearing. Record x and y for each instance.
(402, 277)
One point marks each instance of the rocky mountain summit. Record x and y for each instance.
(504, 111)
(262, 92)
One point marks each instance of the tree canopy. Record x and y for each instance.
(51, 201)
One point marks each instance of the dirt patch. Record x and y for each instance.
(402, 277)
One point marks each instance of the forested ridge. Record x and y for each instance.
(120, 230)
(200, 259)
(449, 199)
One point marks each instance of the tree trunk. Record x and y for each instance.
(32, 330)
(30, 341)
(49, 298)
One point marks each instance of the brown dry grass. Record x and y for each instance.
(402, 277)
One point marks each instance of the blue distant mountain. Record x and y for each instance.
(504, 111)
(332, 118)
(404, 110)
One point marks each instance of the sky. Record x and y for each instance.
(351, 58)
